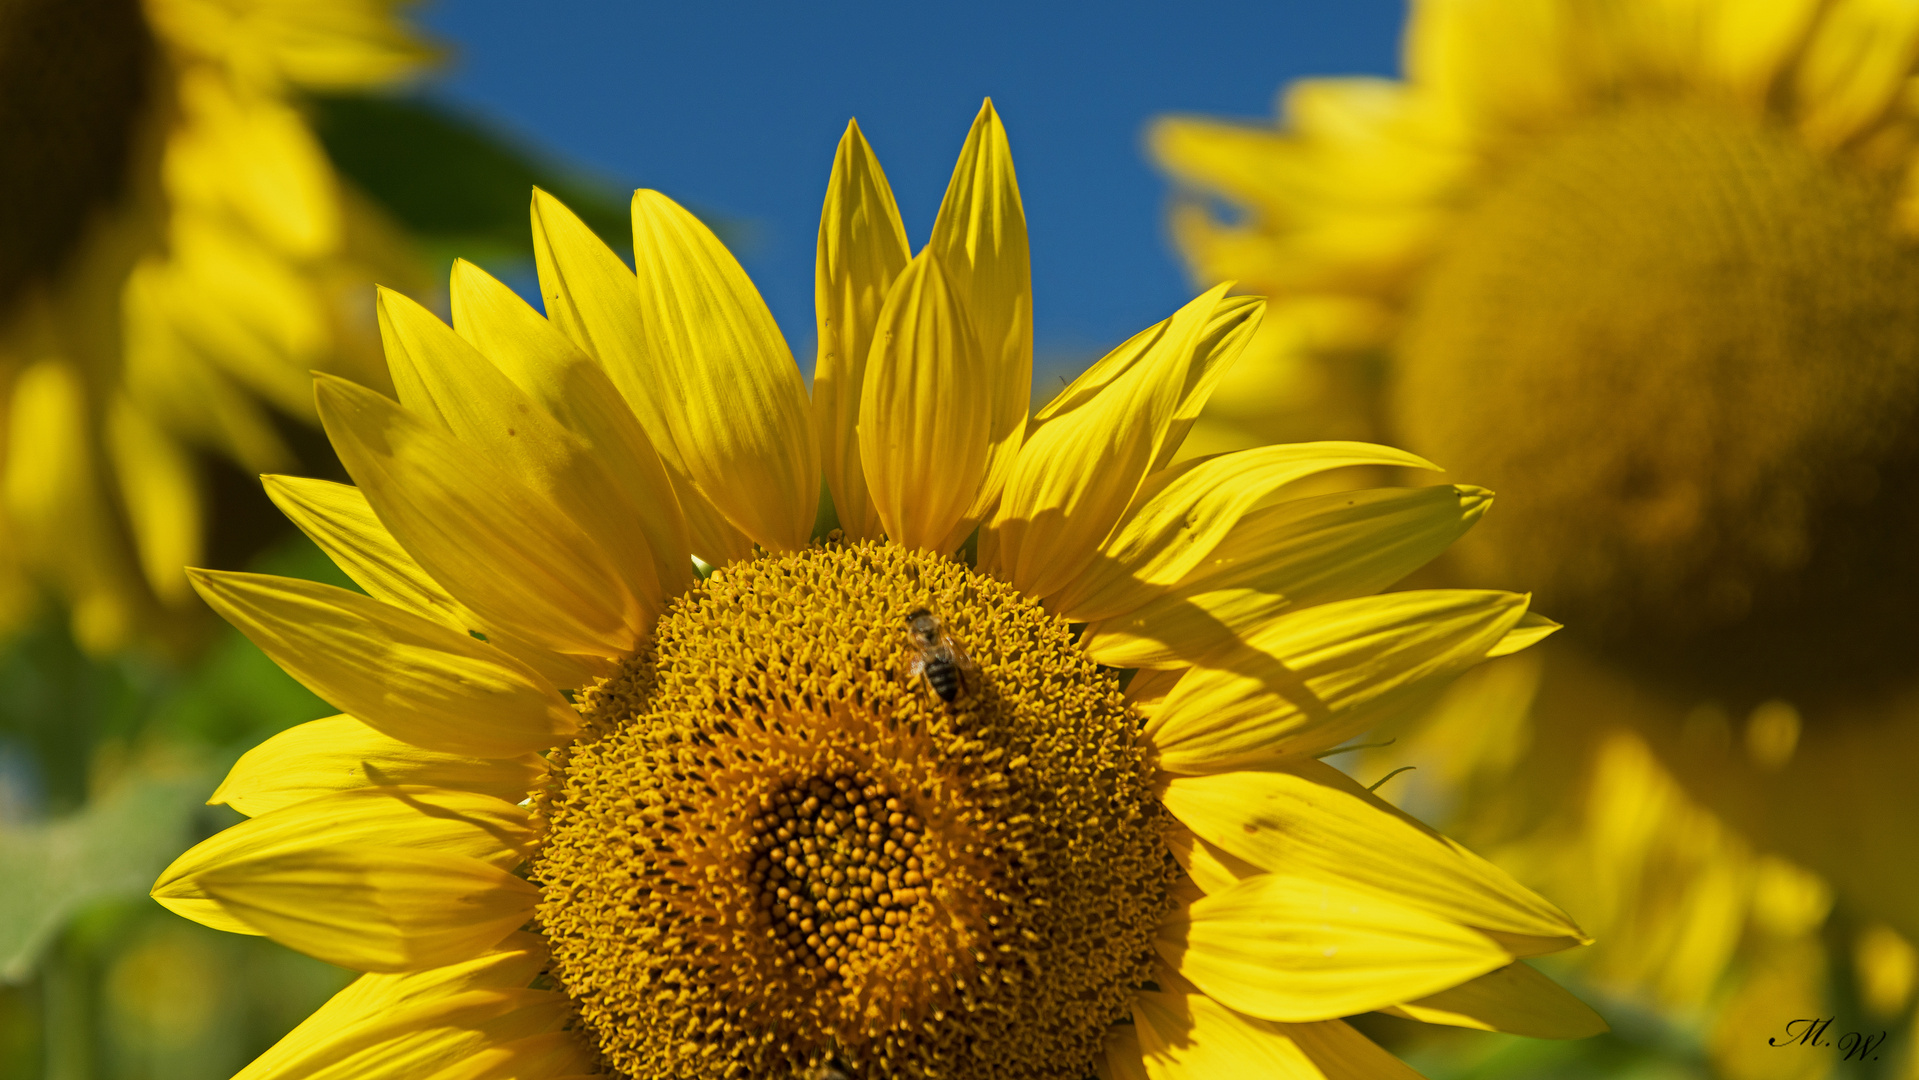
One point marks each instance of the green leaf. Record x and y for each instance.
(113, 849)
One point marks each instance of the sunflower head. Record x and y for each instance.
(1651, 272)
(75, 76)
(840, 862)
(1012, 775)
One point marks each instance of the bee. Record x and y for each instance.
(945, 666)
(825, 1071)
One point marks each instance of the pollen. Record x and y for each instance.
(778, 850)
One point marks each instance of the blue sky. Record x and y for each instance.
(735, 109)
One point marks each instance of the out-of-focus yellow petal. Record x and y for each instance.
(1297, 554)
(254, 156)
(1297, 949)
(594, 300)
(1746, 43)
(1856, 62)
(160, 488)
(1515, 999)
(374, 908)
(549, 1056)
(1495, 64)
(440, 376)
(862, 249)
(1076, 474)
(340, 753)
(578, 393)
(342, 45)
(416, 680)
(980, 238)
(926, 412)
(461, 823)
(1186, 1035)
(399, 1012)
(1178, 521)
(498, 547)
(1300, 683)
(1311, 820)
(170, 367)
(58, 510)
(741, 417)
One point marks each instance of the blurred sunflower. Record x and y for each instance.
(1649, 268)
(178, 255)
(873, 802)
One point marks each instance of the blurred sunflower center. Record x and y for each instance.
(781, 848)
(73, 80)
(1684, 347)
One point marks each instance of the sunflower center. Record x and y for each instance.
(73, 76)
(780, 847)
(1684, 348)
(836, 861)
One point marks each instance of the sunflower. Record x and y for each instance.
(1011, 774)
(178, 252)
(1650, 269)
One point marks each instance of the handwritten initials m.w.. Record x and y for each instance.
(1809, 1032)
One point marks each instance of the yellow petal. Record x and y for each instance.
(1189, 1036)
(1299, 553)
(170, 374)
(1302, 683)
(340, 753)
(373, 908)
(980, 238)
(254, 156)
(159, 485)
(495, 545)
(403, 815)
(1119, 1055)
(1496, 66)
(592, 298)
(1076, 474)
(1232, 325)
(1311, 820)
(1295, 949)
(439, 376)
(1531, 629)
(470, 825)
(578, 393)
(1179, 521)
(416, 680)
(537, 1057)
(1211, 868)
(862, 249)
(376, 1008)
(925, 412)
(336, 517)
(1516, 999)
(406, 1042)
(1746, 43)
(741, 416)
(55, 503)
(1857, 61)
